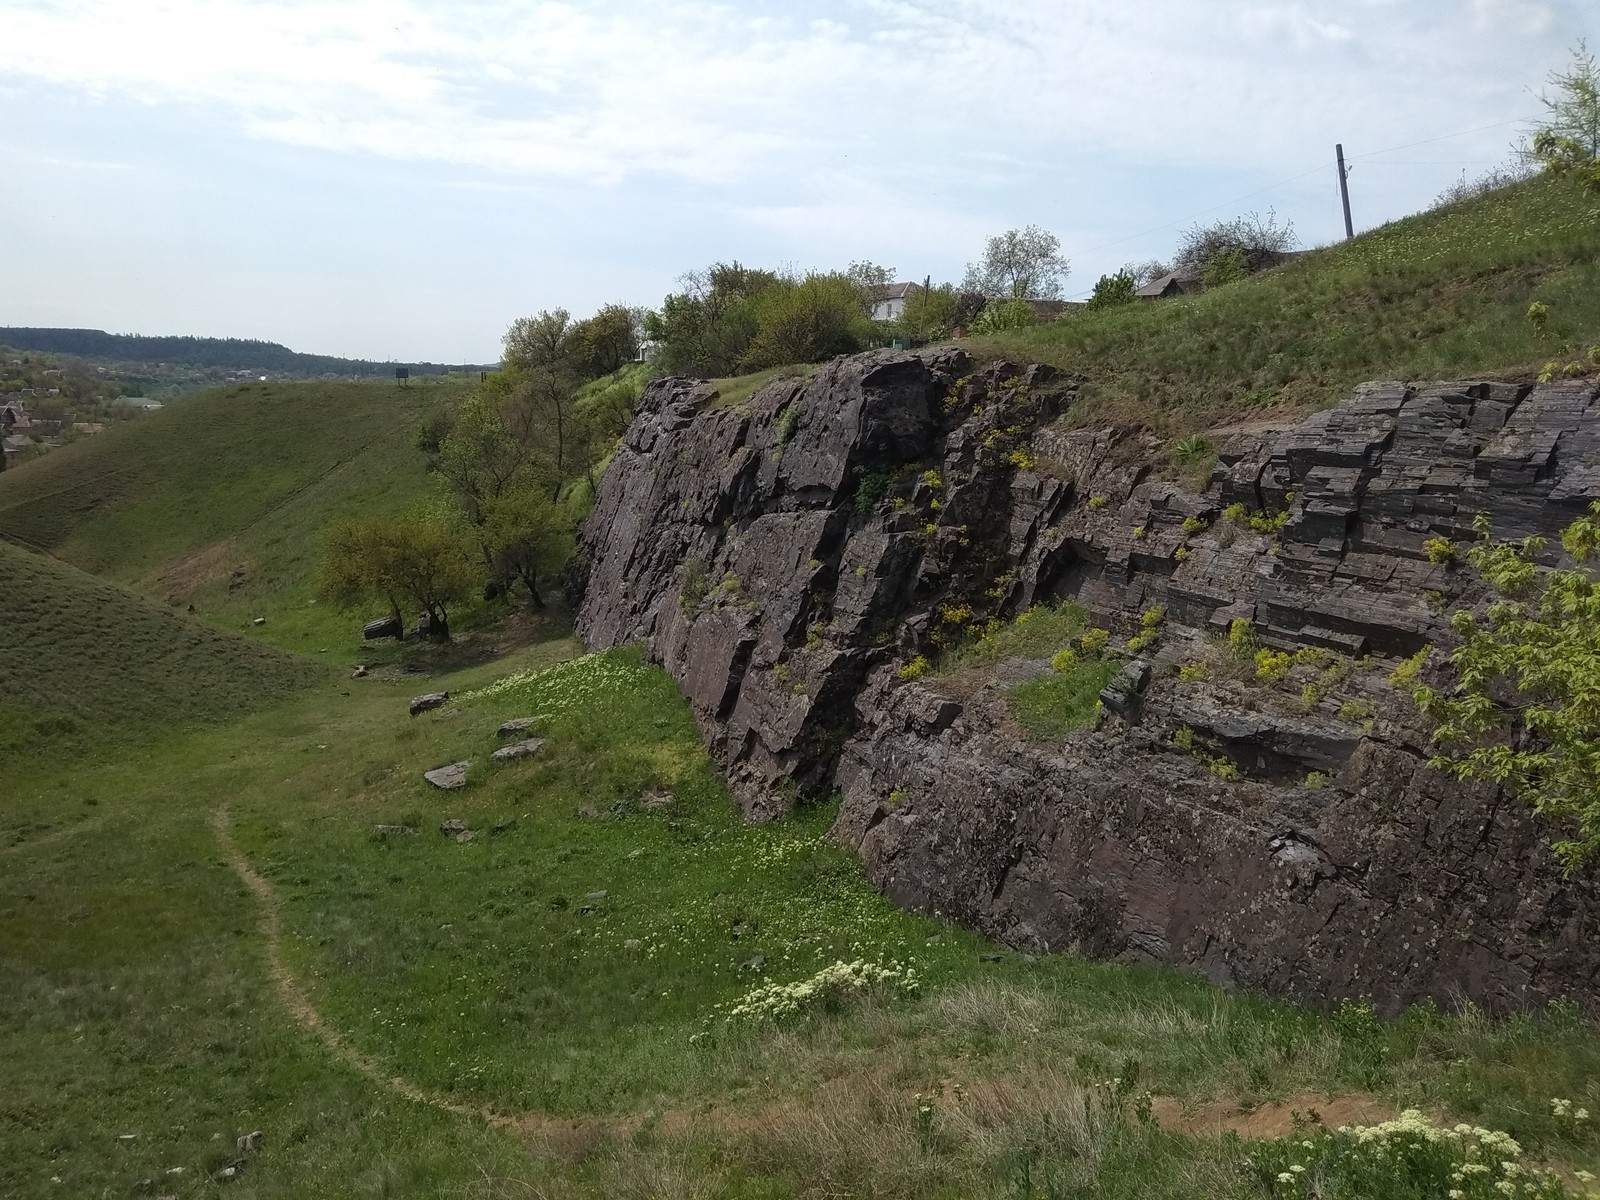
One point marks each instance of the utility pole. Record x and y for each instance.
(1344, 191)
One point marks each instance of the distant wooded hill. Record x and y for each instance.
(225, 353)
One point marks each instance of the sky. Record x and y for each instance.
(400, 179)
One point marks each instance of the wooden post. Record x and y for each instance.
(1344, 191)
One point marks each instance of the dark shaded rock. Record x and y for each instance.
(1122, 694)
(395, 830)
(384, 627)
(782, 557)
(422, 704)
(448, 778)
(522, 749)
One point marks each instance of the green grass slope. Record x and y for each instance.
(221, 500)
(1439, 295)
(83, 660)
(573, 970)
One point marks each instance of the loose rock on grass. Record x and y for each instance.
(448, 778)
(431, 700)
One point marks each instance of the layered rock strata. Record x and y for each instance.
(785, 557)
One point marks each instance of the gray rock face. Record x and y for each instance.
(523, 749)
(781, 558)
(515, 727)
(448, 778)
(422, 704)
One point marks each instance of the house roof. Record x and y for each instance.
(896, 291)
(1183, 277)
(15, 444)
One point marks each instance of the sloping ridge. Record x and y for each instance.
(84, 658)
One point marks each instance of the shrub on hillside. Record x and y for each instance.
(1003, 315)
(1261, 242)
(929, 313)
(808, 320)
(1111, 291)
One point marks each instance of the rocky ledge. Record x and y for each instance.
(785, 557)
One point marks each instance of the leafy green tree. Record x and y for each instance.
(1224, 266)
(1572, 108)
(417, 559)
(929, 313)
(539, 342)
(707, 329)
(604, 343)
(525, 534)
(1524, 708)
(1110, 291)
(807, 321)
(1020, 264)
(999, 316)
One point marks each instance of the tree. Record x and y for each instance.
(525, 534)
(706, 329)
(1019, 264)
(1260, 241)
(1147, 272)
(1524, 708)
(929, 313)
(604, 343)
(807, 321)
(534, 343)
(416, 559)
(1572, 107)
(1111, 291)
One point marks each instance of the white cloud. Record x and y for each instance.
(710, 93)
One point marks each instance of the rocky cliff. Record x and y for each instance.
(785, 558)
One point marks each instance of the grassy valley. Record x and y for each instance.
(221, 501)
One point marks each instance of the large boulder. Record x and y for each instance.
(384, 627)
(428, 702)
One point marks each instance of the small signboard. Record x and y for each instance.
(401, 374)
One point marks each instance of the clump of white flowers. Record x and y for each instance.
(1462, 1162)
(830, 987)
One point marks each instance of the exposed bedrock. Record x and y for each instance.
(784, 556)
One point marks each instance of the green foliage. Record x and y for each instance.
(416, 559)
(1195, 525)
(221, 500)
(999, 316)
(707, 329)
(1241, 639)
(1272, 665)
(1406, 674)
(1439, 550)
(915, 669)
(1316, 780)
(1096, 503)
(1524, 710)
(1110, 291)
(929, 314)
(1237, 513)
(1192, 449)
(1194, 672)
(1064, 660)
(806, 320)
(1567, 140)
(1037, 633)
(788, 420)
(604, 343)
(1183, 738)
(1062, 701)
(1225, 266)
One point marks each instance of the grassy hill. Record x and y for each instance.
(220, 501)
(1438, 295)
(83, 659)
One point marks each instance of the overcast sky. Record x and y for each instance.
(401, 179)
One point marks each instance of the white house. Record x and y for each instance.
(891, 302)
